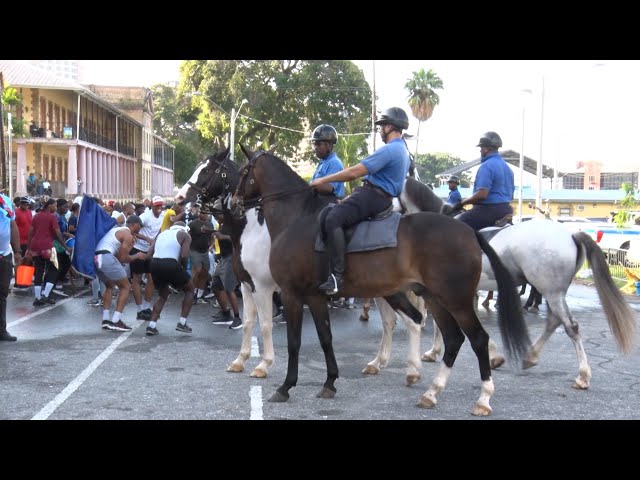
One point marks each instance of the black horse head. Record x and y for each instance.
(216, 177)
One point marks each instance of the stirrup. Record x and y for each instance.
(330, 287)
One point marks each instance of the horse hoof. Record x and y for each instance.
(496, 362)
(485, 304)
(371, 370)
(258, 373)
(412, 379)
(279, 397)
(364, 318)
(481, 410)
(326, 393)
(426, 402)
(429, 357)
(580, 384)
(235, 368)
(534, 310)
(528, 364)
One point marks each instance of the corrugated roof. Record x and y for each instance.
(18, 72)
(510, 156)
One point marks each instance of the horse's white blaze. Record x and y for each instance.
(182, 192)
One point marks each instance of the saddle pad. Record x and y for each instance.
(489, 232)
(369, 235)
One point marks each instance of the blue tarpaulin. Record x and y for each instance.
(93, 224)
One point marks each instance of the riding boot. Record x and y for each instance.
(336, 246)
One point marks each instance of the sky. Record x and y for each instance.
(587, 110)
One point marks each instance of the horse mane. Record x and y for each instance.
(422, 196)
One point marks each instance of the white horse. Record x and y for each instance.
(217, 176)
(546, 255)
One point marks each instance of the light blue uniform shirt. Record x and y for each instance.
(330, 165)
(388, 166)
(496, 176)
(5, 225)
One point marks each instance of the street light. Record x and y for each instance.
(234, 116)
(526, 90)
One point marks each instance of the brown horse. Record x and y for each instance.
(427, 243)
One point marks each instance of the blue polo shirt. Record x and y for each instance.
(496, 176)
(330, 165)
(7, 213)
(454, 197)
(388, 166)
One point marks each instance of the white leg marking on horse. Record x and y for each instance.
(428, 399)
(482, 406)
(436, 349)
(388, 318)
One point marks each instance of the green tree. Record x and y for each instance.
(286, 100)
(11, 98)
(431, 164)
(422, 97)
(623, 218)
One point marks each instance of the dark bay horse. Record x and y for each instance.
(426, 244)
(559, 254)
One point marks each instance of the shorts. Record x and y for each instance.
(224, 271)
(109, 268)
(167, 271)
(139, 266)
(199, 260)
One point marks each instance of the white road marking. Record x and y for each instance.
(79, 380)
(256, 403)
(255, 348)
(43, 310)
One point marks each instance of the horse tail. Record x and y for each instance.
(620, 317)
(513, 329)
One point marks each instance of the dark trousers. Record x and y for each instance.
(6, 272)
(360, 205)
(481, 216)
(46, 272)
(64, 264)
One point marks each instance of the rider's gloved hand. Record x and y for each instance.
(457, 206)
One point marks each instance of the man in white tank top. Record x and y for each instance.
(112, 251)
(169, 254)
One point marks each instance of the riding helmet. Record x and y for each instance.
(394, 116)
(454, 179)
(490, 139)
(324, 133)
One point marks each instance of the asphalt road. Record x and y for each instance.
(65, 367)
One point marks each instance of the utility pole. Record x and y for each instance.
(373, 108)
(2, 151)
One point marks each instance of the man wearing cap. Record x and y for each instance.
(44, 229)
(170, 253)
(151, 223)
(112, 251)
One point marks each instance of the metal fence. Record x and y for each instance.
(617, 261)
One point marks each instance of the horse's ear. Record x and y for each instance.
(244, 150)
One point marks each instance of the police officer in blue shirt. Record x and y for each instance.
(454, 193)
(323, 139)
(9, 252)
(383, 175)
(493, 187)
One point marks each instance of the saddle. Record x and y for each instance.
(489, 232)
(373, 233)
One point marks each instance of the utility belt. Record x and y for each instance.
(101, 252)
(371, 186)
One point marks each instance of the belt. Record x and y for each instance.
(6, 256)
(100, 252)
(367, 184)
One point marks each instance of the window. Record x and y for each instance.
(592, 178)
(580, 208)
(591, 188)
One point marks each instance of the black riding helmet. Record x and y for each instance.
(394, 116)
(324, 133)
(490, 139)
(454, 179)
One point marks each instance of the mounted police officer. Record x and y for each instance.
(454, 193)
(383, 174)
(323, 139)
(493, 187)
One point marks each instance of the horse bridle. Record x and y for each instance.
(244, 204)
(203, 197)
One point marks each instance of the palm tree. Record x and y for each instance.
(422, 96)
